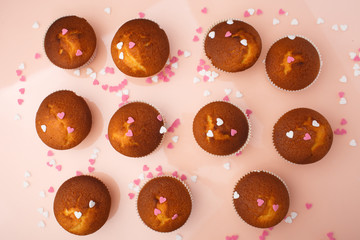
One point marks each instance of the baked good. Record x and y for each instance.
(164, 203)
(261, 199)
(292, 63)
(221, 128)
(136, 129)
(232, 45)
(63, 120)
(302, 136)
(140, 48)
(82, 205)
(70, 42)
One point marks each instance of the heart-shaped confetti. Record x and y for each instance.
(163, 130)
(288, 220)
(159, 169)
(21, 66)
(156, 211)
(196, 38)
(131, 195)
(121, 56)
(78, 53)
(43, 128)
(260, 202)
(259, 12)
(315, 123)
(210, 134)
(180, 53)
(212, 34)
(290, 59)
(281, 11)
(131, 44)
(343, 79)
(141, 14)
(228, 34)
(51, 190)
(91, 204)
(42, 194)
(204, 10)
(78, 173)
(20, 101)
(77, 214)
(51, 163)
(119, 45)
(130, 120)
(290, 134)
(307, 136)
(226, 98)
(37, 55)
(343, 27)
(236, 195)
(170, 146)
(293, 215)
(175, 139)
(275, 207)
(244, 42)
(183, 177)
(162, 200)
(251, 11)
(291, 37)
(70, 129)
(17, 117)
(22, 78)
(92, 161)
(129, 133)
(186, 54)
(342, 101)
(198, 30)
(64, 31)
(219, 121)
(96, 82)
(308, 205)
(58, 167)
(60, 115)
(343, 121)
(26, 184)
(233, 132)
(238, 94)
(18, 72)
(45, 214)
(246, 13)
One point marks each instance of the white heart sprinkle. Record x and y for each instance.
(293, 215)
(335, 27)
(357, 73)
(294, 22)
(227, 166)
(93, 75)
(320, 21)
(214, 74)
(42, 194)
(353, 143)
(121, 56)
(77, 72)
(251, 11)
(342, 101)
(187, 54)
(343, 27)
(211, 79)
(219, 122)
(227, 91)
(125, 91)
(142, 176)
(41, 224)
(352, 55)
(236, 195)
(17, 117)
(96, 150)
(35, 25)
(288, 220)
(238, 94)
(291, 37)
(343, 79)
(196, 80)
(210, 133)
(94, 156)
(243, 42)
(315, 123)
(230, 21)
(26, 184)
(163, 130)
(21, 66)
(175, 139)
(356, 66)
(43, 128)
(40, 210)
(155, 79)
(194, 178)
(178, 237)
(175, 65)
(119, 45)
(89, 71)
(202, 72)
(77, 214)
(91, 204)
(212, 34)
(46, 214)
(206, 93)
(52, 162)
(290, 134)
(107, 10)
(131, 185)
(136, 189)
(119, 94)
(276, 21)
(208, 73)
(27, 174)
(102, 71)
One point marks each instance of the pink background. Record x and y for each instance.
(331, 185)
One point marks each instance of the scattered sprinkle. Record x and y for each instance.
(35, 25)
(204, 10)
(195, 38)
(41, 224)
(236, 195)
(227, 166)
(37, 55)
(353, 143)
(294, 22)
(107, 10)
(91, 204)
(308, 205)
(320, 21)
(194, 178)
(141, 14)
(26, 184)
(51, 190)
(275, 21)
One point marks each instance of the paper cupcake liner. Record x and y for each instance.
(82, 66)
(207, 33)
(317, 76)
(164, 121)
(234, 189)
(242, 147)
(162, 176)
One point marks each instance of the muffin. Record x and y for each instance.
(63, 120)
(302, 136)
(232, 45)
(164, 203)
(70, 42)
(82, 205)
(136, 129)
(140, 48)
(261, 199)
(292, 63)
(221, 128)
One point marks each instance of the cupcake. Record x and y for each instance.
(261, 199)
(292, 63)
(221, 128)
(232, 45)
(140, 48)
(70, 42)
(136, 129)
(302, 136)
(82, 205)
(63, 120)
(164, 203)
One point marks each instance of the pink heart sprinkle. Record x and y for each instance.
(174, 125)
(246, 14)
(124, 98)
(141, 14)
(162, 200)
(199, 30)
(91, 169)
(50, 153)
(137, 181)
(159, 168)
(175, 174)
(281, 11)
(183, 177)
(356, 58)
(226, 98)
(341, 94)
(60, 115)
(271, 228)
(170, 146)
(22, 90)
(166, 79)
(248, 112)
(262, 237)
(228, 34)
(148, 80)
(307, 137)
(131, 44)
(95, 82)
(78, 173)
(78, 53)
(174, 60)
(64, 31)
(205, 78)
(180, 52)
(159, 117)
(22, 78)
(343, 131)
(92, 161)
(131, 195)
(125, 82)
(20, 101)
(18, 72)
(204, 10)
(206, 67)
(129, 133)
(343, 121)
(58, 167)
(202, 62)
(157, 211)
(49, 164)
(308, 205)
(260, 202)
(70, 129)
(290, 59)
(105, 87)
(196, 38)
(174, 217)
(233, 132)
(330, 235)
(337, 131)
(109, 70)
(51, 190)
(37, 55)
(145, 168)
(265, 233)
(130, 120)
(275, 207)
(199, 68)
(149, 175)
(238, 153)
(259, 12)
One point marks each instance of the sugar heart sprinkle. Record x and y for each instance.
(91, 204)
(260, 202)
(60, 115)
(64, 31)
(130, 120)
(156, 211)
(233, 132)
(129, 133)
(131, 44)
(78, 53)
(162, 200)
(70, 129)
(275, 207)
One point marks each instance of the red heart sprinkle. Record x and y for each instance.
(180, 52)
(183, 177)
(18, 72)
(131, 195)
(145, 168)
(204, 10)
(246, 14)
(22, 90)
(159, 168)
(199, 30)
(91, 169)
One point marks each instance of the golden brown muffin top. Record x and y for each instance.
(70, 42)
(140, 48)
(302, 136)
(164, 204)
(261, 199)
(232, 45)
(292, 63)
(221, 128)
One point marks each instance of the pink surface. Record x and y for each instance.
(324, 195)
